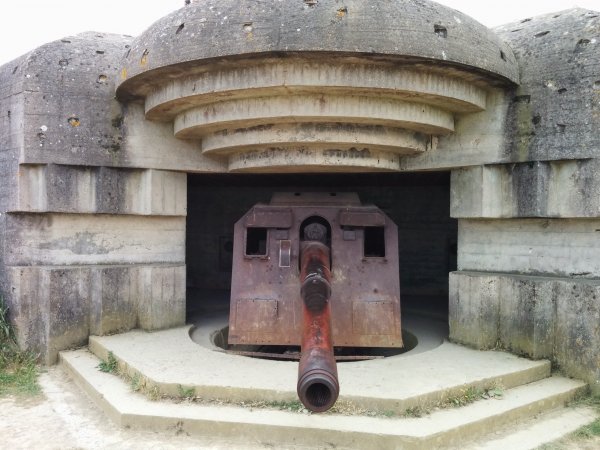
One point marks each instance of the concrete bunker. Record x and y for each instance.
(94, 189)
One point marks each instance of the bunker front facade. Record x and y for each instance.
(99, 134)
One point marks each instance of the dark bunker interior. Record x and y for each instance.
(419, 204)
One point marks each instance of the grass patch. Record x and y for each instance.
(587, 436)
(111, 365)
(187, 393)
(589, 431)
(592, 430)
(18, 369)
(293, 405)
(136, 383)
(472, 394)
(415, 412)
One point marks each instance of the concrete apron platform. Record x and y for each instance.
(433, 372)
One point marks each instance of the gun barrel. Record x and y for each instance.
(318, 386)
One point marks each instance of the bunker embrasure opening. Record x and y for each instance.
(419, 204)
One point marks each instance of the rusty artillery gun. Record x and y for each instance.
(318, 270)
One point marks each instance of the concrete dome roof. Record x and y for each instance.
(407, 30)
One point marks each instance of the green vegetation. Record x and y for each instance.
(589, 431)
(136, 383)
(187, 393)
(18, 369)
(587, 436)
(472, 394)
(293, 405)
(111, 365)
(414, 411)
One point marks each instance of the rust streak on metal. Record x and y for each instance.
(318, 386)
(344, 256)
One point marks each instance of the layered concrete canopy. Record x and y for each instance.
(310, 86)
(414, 31)
(99, 132)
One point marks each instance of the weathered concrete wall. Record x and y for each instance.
(565, 248)
(408, 29)
(77, 259)
(99, 190)
(542, 317)
(59, 307)
(539, 189)
(76, 239)
(553, 115)
(69, 107)
(529, 229)
(70, 116)
(11, 143)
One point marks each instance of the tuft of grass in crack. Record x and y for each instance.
(415, 411)
(186, 393)
(135, 383)
(293, 405)
(472, 394)
(466, 398)
(18, 369)
(111, 365)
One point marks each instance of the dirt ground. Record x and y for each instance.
(64, 418)
(572, 443)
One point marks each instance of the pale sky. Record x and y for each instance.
(27, 24)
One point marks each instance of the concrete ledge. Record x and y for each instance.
(100, 190)
(75, 239)
(554, 247)
(541, 317)
(395, 384)
(317, 136)
(478, 138)
(306, 159)
(245, 113)
(565, 189)
(302, 77)
(451, 427)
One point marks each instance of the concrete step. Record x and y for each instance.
(540, 430)
(169, 360)
(451, 427)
